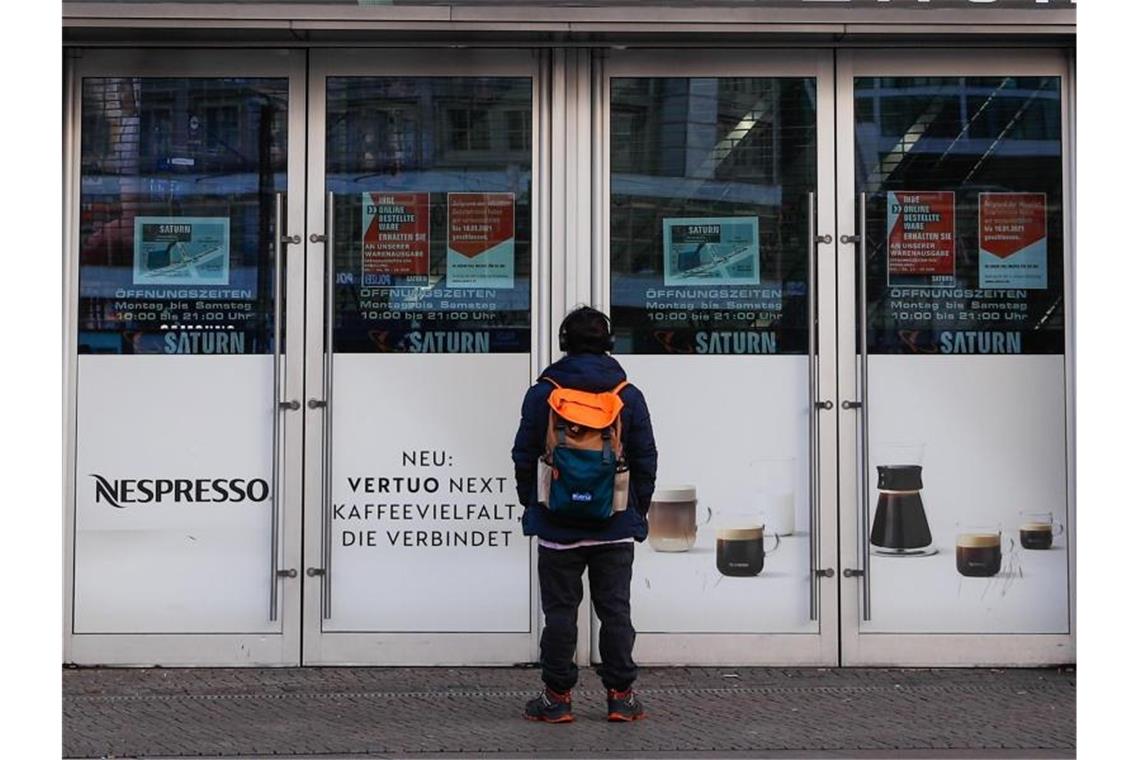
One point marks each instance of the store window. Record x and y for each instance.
(431, 180)
(709, 213)
(965, 225)
(177, 185)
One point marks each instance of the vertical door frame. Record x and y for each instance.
(72, 120)
(278, 648)
(435, 648)
(926, 648)
(822, 647)
(572, 231)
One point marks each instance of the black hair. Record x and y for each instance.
(585, 330)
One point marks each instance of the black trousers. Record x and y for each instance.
(560, 578)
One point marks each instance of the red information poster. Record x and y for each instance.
(480, 240)
(395, 240)
(1012, 241)
(920, 238)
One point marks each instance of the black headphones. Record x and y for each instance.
(609, 345)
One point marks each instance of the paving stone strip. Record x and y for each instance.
(228, 712)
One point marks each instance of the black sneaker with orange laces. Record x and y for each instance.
(550, 707)
(623, 705)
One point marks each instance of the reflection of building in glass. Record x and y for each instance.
(432, 135)
(993, 123)
(177, 148)
(968, 135)
(158, 124)
(706, 147)
(710, 148)
(170, 147)
(391, 125)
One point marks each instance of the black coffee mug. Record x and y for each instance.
(740, 550)
(978, 552)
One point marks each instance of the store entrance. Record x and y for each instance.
(955, 338)
(184, 357)
(308, 289)
(423, 294)
(913, 450)
(719, 198)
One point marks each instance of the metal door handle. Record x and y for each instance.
(316, 403)
(316, 238)
(278, 404)
(290, 239)
(827, 572)
(850, 572)
(861, 405)
(291, 406)
(290, 573)
(849, 239)
(813, 417)
(326, 469)
(824, 405)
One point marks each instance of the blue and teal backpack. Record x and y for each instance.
(582, 472)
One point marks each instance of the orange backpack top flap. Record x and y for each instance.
(586, 419)
(592, 410)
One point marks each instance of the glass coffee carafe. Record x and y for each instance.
(900, 528)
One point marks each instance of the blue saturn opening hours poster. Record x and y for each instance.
(712, 251)
(182, 250)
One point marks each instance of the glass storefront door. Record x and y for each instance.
(422, 344)
(183, 358)
(308, 289)
(718, 192)
(956, 487)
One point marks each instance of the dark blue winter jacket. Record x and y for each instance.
(593, 373)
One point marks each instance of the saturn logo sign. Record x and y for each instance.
(124, 492)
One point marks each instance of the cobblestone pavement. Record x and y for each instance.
(693, 712)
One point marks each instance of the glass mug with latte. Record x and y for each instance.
(673, 518)
(1038, 529)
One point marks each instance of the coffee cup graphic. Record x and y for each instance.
(978, 550)
(740, 549)
(1038, 529)
(673, 518)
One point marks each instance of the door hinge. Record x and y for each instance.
(849, 572)
(825, 573)
(312, 572)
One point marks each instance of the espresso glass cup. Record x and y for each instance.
(978, 551)
(1038, 529)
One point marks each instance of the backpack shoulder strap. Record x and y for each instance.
(617, 434)
(549, 380)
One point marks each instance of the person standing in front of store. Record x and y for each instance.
(568, 545)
